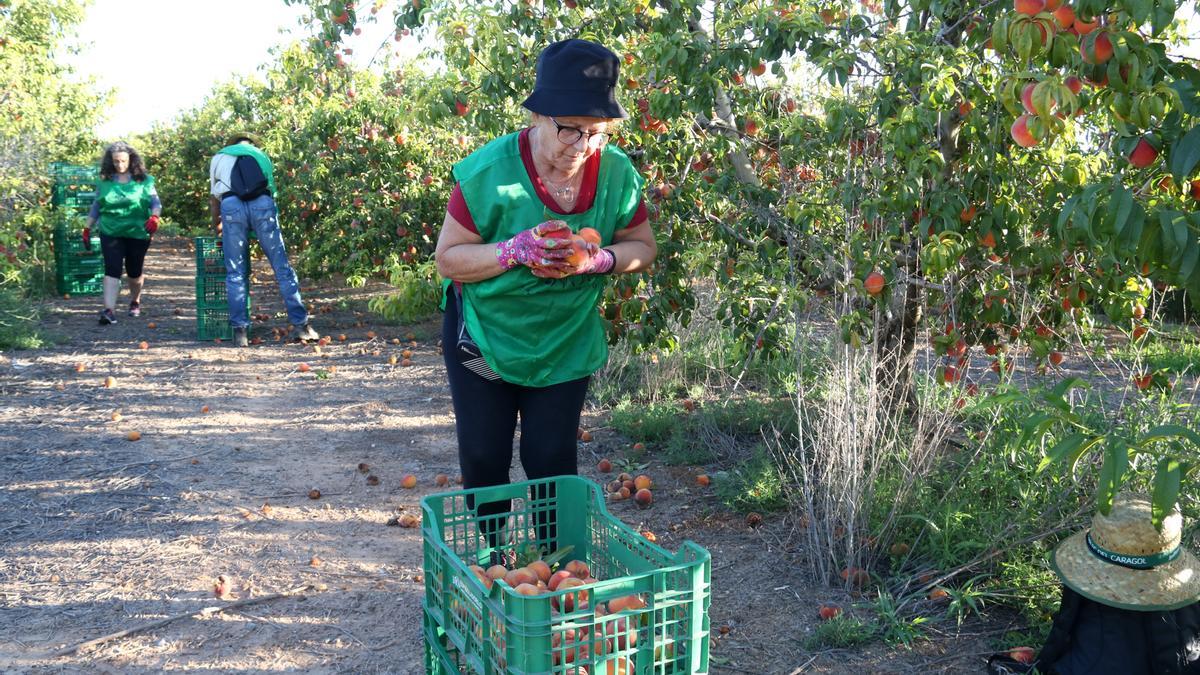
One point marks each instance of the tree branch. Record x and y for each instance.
(724, 113)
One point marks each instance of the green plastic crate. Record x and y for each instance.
(212, 302)
(73, 195)
(210, 291)
(90, 284)
(470, 629)
(79, 267)
(210, 257)
(77, 271)
(212, 323)
(74, 186)
(70, 247)
(64, 172)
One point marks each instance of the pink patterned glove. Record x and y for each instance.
(544, 244)
(599, 261)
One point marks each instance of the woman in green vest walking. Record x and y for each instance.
(521, 335)
(127, 209)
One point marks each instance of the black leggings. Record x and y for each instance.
(123, 250)
(485, 418)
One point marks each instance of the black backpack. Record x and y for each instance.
(247, 180)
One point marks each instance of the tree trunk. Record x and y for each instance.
(895, 350)
(896, 330)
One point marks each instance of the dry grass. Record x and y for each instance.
(849, 438)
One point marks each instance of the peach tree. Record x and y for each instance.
(45, 117)
(996, 175)
(358, 175)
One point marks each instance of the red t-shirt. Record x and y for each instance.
(457, 208)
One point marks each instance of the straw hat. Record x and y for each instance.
(1123, 561)
(239, 136)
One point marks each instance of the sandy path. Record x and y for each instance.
(101, 533)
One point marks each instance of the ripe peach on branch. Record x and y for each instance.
(1144, 152)
(1021, 133)
(874, 283)
(1096, 48)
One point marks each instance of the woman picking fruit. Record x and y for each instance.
(127, 209)
(521, 334)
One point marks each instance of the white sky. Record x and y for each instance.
(162, 57)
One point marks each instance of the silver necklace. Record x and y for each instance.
(565, 192)
(560, 191)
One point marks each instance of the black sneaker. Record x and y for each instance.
(135, 309)
(239, 337)
(107, 316)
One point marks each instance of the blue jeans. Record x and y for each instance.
(237, 217)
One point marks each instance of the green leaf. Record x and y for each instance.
(1170, 432)
(1119, 208)
(1185, 154)
(1167, 476)
(1139, 10)
(1057, 395)
(1164, 14)
(1035, 428)
(1112, 472)
(1079, 452)
(1064, 216)
(1058, 402)
(1182, 233)
(921, 519)
(1001, 400)
(559, 555)
(1065, 448)
(1000, 35)
(1174, 235)
(1187, 264)
(1068, 384)
(1132, 233)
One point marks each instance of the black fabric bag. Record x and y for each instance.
(1092, 638)
(247, 180)
(469, 354)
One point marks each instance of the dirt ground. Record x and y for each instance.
(100, 534)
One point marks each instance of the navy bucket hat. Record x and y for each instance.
(576, 78)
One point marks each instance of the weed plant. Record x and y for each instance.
(416, 298)
(1175, 350)
(19, 322)
(841, 632)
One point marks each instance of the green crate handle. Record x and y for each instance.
(493, 493)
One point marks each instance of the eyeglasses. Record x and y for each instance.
(571, 135)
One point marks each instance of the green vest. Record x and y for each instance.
(538, 332)
(124, 207)
(264, 162)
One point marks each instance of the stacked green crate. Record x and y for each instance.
(78, 269)
(212, 303)
(74, 187)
